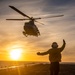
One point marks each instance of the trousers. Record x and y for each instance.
(54, 68)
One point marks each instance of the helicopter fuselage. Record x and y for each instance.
(30, 29)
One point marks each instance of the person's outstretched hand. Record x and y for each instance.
(38, 53)
(64, 41)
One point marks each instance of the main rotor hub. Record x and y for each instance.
(32, 19)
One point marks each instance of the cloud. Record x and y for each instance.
(27, 5)
(60, 2)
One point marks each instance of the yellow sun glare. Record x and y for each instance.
(15, 54)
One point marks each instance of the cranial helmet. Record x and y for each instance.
(54, 45)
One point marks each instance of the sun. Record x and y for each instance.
(16, 53)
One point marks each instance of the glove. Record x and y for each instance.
(38, 53)
(64, 41)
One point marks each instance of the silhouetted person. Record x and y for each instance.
(54, 57)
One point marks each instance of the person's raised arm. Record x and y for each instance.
(63, 46)
(43, 53)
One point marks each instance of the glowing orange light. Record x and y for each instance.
(15, 54)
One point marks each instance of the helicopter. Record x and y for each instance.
(29, 27)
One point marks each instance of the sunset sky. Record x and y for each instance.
(54, 29)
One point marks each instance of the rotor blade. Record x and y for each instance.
(37, 18)
(19, 11)
(17, 19)
(39, 22)
(52, 16)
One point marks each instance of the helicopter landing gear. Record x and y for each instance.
(24, 33)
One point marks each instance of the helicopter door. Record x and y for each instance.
(28, 28)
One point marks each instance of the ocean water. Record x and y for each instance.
(14, 64)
